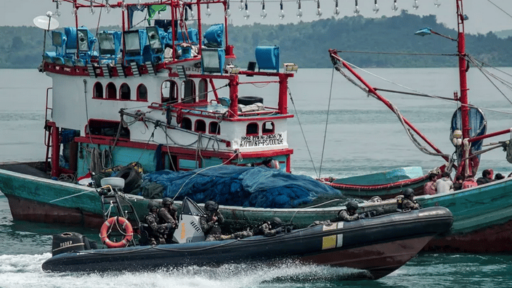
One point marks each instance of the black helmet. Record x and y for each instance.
(408, 193)
(167, 201)
(211, 206)
(152, 206)
(276, 222)
(352, 205)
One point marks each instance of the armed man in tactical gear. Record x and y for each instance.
(211, 221)
(156, 233)
(271, 228)
(407, 203)
(168, 216)
(349, 214)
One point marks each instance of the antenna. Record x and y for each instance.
(46, 23)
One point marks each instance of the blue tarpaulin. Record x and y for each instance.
(242, 186)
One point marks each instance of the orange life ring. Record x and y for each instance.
(106, 227)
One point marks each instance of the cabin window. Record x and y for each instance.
(169, 91)
(189, 91)
(203, 90)
(124, 92)
(214, 128)
(200, 126)
(97, 90)
(111, 91)
(268, 128)
(142, 92)
(252, 129)
(186, 123)
(188, 164)
(107, 128)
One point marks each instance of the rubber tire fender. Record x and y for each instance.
(131, 178)
(249, 100)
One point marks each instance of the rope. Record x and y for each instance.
(500, 8)
(236, 153)
(302, 130)
(472, 60)
(395, 110)
(326, 123)
(396, 53)
(70, 196)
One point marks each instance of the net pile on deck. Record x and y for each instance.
(241, 186)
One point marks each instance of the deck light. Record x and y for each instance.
(318, 11)
(263, 13)
(437, 3)
(299, 10)
(376, 8)
(395, 6)
(356, 9)
(415, 5)
(427, 31)
(246, 13)
(208, 11)
(336, 9)
(108, 6)
(57, 11)
(281, 13)
(228, 11)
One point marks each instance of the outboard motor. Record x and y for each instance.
(71, 242)
(189, 228)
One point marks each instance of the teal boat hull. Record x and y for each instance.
(482, 215)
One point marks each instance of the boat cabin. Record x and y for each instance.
(167, 93)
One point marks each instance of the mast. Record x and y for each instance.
(464, 109)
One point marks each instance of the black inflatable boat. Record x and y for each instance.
(379, 245)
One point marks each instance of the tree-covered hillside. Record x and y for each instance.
(306, 44)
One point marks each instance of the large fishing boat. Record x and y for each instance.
(165, 96)
(96, 122)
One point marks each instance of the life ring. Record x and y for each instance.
(106, 227)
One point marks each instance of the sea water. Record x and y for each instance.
(362, 136)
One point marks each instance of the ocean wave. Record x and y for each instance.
(25, 271)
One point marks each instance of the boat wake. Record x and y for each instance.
(25, 271)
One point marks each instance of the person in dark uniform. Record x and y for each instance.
(349, 214)
(156, 233)
(168, 216)
(271, 228)
(211, 221)
(407, 202)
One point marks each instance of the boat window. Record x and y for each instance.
(203, 90)
(189, 92)
(268, 128)
(186, 123)
(200, 126)
(252, 129)
(124, 92)
(169, 91)
(111, 91)
(97, 90)
(214, 128)
(142, 92)
(107, 128)
(186, 164)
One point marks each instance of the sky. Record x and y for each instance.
(483, 15)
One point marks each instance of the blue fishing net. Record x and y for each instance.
(242, 186)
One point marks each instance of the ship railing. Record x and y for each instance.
(162, 107)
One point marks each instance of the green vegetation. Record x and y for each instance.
(306, 44)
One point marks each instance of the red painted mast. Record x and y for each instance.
(461, 40)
